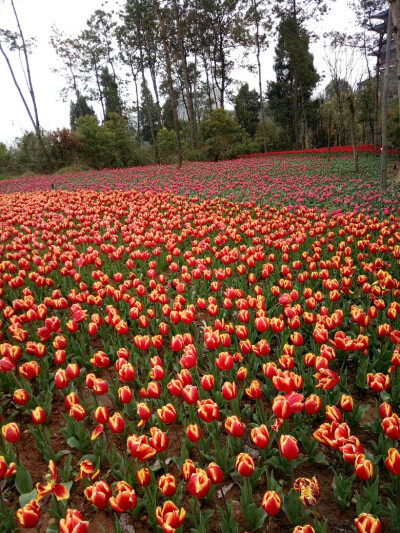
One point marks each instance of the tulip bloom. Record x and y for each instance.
(378, 382)
(309, 490)
(346, 403)
(363, 467)
(188, 468)
(208, 410)
(366, 523)
(260, 436)
(38, 416)
(143, 477)
(304, 529)
(11, 432)
(29, 515)
(86, 470)
(125, 499)
(199, 484)
(167, 484)
(391, 426)
(159, 440)
(288, 447)
(170, 517)
(313, 404)
(254, 391)
(140, 448)
(73, 522)
(215, 473)
(271, 502)
(392, 463)
(99, 494)
(59, 491)
(167, 413)
(5, 469)
(234, 426)
(244, 464)
(193, 432)
(116, 423)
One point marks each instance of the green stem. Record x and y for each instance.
(195, 516)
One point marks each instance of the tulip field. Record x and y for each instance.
(210, 349)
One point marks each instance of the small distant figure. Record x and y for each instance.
(52, 186)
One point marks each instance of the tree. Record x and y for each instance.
(370, 40)
(16, 42)
(220, 27)
(395, 11)
(342, 66)
(69, 51)
(112, 100)
(148, 116)
(261, 21)
(247, 109)
(296, 78)
(79, 108)
(161, 15)
(221, 132)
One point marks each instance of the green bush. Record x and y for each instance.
(222, 135)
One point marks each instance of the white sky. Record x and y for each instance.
(38, 16)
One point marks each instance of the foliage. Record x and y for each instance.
(79, 108)
(221, 133)
(247, 109)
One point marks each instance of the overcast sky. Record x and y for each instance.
(38, 16)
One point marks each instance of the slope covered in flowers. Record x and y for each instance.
(281, 180)
(219, 353)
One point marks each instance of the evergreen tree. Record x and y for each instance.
(112, 100)
(77, 109)
(296, 78)
(148, 115)
(247, 109)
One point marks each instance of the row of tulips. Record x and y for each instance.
(348, 149)
(195, 344)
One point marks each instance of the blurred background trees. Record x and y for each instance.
(154, 82)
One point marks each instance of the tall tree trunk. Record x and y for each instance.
(189, 99)
(147, 104)
(260, 86)
(170, 81)
(376, 93)
(208, 86)
(137, 107)
(33, 116)
(350, 101)
(97, 74)
(296, 114)
(329, 137)
(395, 11)
(304, 114)
(155, 87)
(383, 180)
